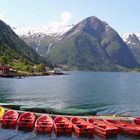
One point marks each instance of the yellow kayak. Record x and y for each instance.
(2, 110)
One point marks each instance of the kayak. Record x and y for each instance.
(26, 121)
(137, 120)
(81, 127)
(2, 110)
(62, 125)
(102, 128)
(125, 127)
(44, 124)
(9, 119)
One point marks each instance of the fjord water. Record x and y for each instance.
(101, 92)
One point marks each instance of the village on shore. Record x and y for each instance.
(37, 70)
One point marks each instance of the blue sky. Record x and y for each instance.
(122, 15)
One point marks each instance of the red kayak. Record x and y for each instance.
(44, 124)
(26, 121)
(102, 128)
(9, 119)
(81, 127)
(137, 120)
(125, 127)
(62, 125)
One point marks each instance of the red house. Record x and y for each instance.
(4, 69)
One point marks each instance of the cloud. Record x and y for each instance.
(2, 17)
(65, 18)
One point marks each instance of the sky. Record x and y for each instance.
(122, 15)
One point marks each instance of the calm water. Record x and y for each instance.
(101, 92)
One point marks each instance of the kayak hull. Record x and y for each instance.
(102, 128)
(44, 124)
(137, 121)
(62, 126)
(81, 127)
(26, 121)
(9, 119)
(2, 110)
(124, 127)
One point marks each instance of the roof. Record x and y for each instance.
(4, 67)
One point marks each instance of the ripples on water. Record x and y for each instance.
(101, 92)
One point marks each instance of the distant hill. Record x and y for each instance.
(13, 50)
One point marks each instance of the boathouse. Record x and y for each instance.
(4, 70)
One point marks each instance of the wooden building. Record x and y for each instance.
(4, 69)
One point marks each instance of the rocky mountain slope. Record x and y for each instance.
(133, 41)
(13, 49)
(92, 44)
(89, 45)
(42, 38)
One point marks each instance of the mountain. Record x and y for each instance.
(13, 49)
(89, 45)
(138, 35)
(92, 44)
(43, 30)
(133, 41)
(41, 39)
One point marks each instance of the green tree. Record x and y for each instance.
(41, 67)
(3, 60)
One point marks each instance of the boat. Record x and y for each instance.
(26, 121)
(102, 128)
(44, 124)
(137, 120)
(62, 125)
(125, 127)
(2, 110)
(9, 119)
(81, 127)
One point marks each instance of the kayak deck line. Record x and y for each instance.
(99, 117)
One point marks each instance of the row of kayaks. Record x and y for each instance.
(62, 125)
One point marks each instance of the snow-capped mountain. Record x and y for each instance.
(133, 42)
(43, 30)
(42, 39)
(126, 35)
(131, 39)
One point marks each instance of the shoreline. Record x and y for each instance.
(19, 76)
(98, 117)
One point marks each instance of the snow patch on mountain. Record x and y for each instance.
(42, 31)
(131, 39)
(125, 36)
(138, 35)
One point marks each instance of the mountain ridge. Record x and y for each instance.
(104, 47)
(100, 37)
